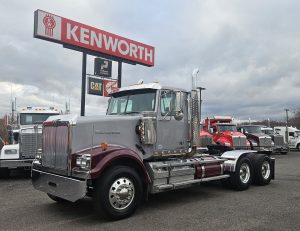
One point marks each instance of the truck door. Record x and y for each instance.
(292, 139)
(172, 134)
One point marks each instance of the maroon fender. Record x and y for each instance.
(101, 159)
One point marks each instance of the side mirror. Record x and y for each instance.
(178, 105)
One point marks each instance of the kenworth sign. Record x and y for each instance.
(57, 29)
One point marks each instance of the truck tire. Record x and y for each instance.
(4, 173)
(118, 193)
(241, 179)
(57, 199)
(262, 170)
(298, 147)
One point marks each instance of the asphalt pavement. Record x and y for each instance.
(205, 207)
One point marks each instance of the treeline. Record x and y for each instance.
(293, 120)
(3, 130)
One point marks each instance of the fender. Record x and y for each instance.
(251, 143)
(233, 157)
(102, 159)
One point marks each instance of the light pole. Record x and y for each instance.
(286, 126)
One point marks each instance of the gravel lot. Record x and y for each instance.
(206, 207)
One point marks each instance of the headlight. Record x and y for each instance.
(38, 157)
(83, 161)
(38, 154)
(254, 144)
(11, 151)
(272, 143)
(227, 144)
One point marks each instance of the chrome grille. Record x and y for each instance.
(278, 140)
(265, 141)
(55, 147)
(205, 140)
(30, 141)
(239, 141)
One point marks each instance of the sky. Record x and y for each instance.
(247, 52)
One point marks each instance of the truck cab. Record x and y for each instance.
(257, 139)
(225, 132)
(24, 140)
(279, 145)
(293, 136)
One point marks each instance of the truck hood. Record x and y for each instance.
(91, 131)
(257, 135)
(229, 134)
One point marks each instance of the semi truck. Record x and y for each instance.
(145, 144)
(257, 139)
(279, 145)
(225, 132)
(24, 140)
(293, 136)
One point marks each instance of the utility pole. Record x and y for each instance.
(83, 84)
(286, 126)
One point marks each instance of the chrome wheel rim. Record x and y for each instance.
(121, 193)
(265, 170)
(244, 173)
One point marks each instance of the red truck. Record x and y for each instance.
(225, 132)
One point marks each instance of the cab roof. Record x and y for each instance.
(156, 86)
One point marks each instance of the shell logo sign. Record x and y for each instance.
(61, 30)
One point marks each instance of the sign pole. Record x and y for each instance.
(83, 84)
(119, 73)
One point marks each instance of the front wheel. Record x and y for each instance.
(118, 192)
(241, 179)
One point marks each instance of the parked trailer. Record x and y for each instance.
(142, 146)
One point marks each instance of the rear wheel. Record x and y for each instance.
(118, 192)
(262, 170)
(241, 179)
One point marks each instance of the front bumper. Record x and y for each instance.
(280, 149)
(16, 163)
(64, 187)
(263, 149)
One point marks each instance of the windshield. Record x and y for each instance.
(297, 133)
(227, 128)
(132, 102)
(252, 129)
(268, 132)
(34, 118)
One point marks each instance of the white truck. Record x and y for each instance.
(293, 136)
(24, 141)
